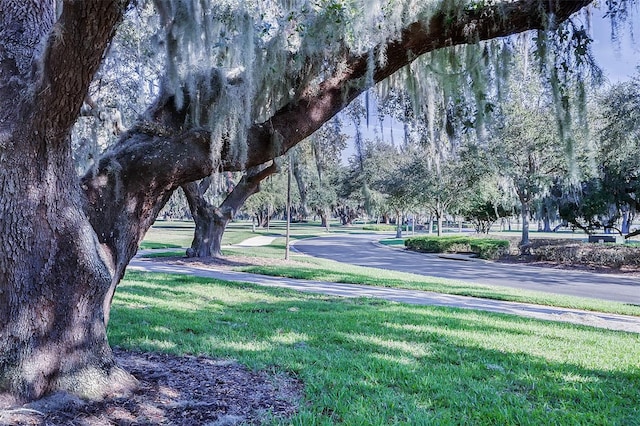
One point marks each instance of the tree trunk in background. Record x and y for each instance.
(398, 225)
(324, 218)
(203, 215)
(439, 216)
(268, 219)
(524, 241)
(211, 221)
(303, 190)
(626, 222)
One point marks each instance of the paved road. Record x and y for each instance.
(361, 249)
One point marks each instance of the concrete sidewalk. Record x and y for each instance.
(261, 240)
(574, 316)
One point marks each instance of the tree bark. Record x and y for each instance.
(626, 222)
(398, 225)
(324, 218)
(205, 220)
(54, 272)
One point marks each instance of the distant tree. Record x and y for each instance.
(526, 149)
(438, 188)
(608, 199)
(391, 180)
(590, 207)
(620, 148)
(270, 201)
(486, 197)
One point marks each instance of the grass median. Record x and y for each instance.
(310, 268)
(372, 362)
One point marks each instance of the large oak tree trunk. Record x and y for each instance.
(55, 280)
(54, 273)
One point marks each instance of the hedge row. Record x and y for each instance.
(485, 248)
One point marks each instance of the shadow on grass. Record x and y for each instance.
(373, 362)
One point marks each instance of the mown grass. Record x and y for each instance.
(384, 228)
(152, 245)
(369, 362)
(168, 234)
(392, 242)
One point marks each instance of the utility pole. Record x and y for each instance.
(286, 250)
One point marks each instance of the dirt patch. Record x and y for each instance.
(174, 390)
(533, 261)
(575, 255)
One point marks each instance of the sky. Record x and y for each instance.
(620, 58)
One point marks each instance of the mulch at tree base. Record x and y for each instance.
(174, 390)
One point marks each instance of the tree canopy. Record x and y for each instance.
(243, 82)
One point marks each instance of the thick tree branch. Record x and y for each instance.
(133, 181)
(297, 120)
(74, 51)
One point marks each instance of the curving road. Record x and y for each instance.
(363, 250)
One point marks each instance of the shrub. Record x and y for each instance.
(485, 248)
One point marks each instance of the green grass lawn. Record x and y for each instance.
(167, 234)
(370, 362)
